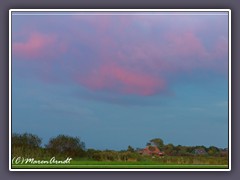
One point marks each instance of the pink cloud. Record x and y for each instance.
(176, 51)
(38, 45)
(184, 44)
(116, 78)
(125, 55)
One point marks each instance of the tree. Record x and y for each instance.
(130, 149)
(148, 144)
(26, 144)
(182, 150)
(66, 146)
(169, 149)
(26, 141)
(157, 142)
(213, 151)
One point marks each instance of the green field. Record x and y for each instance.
(117, 165)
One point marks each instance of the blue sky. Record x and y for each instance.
(119, 80)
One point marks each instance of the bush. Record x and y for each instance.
(67, 146)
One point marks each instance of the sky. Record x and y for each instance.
(121, 78)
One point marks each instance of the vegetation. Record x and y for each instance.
(27, 145)
(62, 146)
(157, 142)
(91, 164)
(65, 146)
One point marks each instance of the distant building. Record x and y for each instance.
(151, 150)
(199, 151)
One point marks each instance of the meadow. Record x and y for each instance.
(92, 164)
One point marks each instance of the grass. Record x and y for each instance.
(88, 164)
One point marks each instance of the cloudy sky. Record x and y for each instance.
(121, 78)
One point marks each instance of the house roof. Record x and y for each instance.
(151, 150)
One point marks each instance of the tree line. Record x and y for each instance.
(179, 150)
(62, 146)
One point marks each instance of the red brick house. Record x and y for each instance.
(151, 150)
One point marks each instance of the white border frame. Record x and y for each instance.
(120, 10)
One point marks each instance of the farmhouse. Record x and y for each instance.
(151, 150)
(199, 151)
